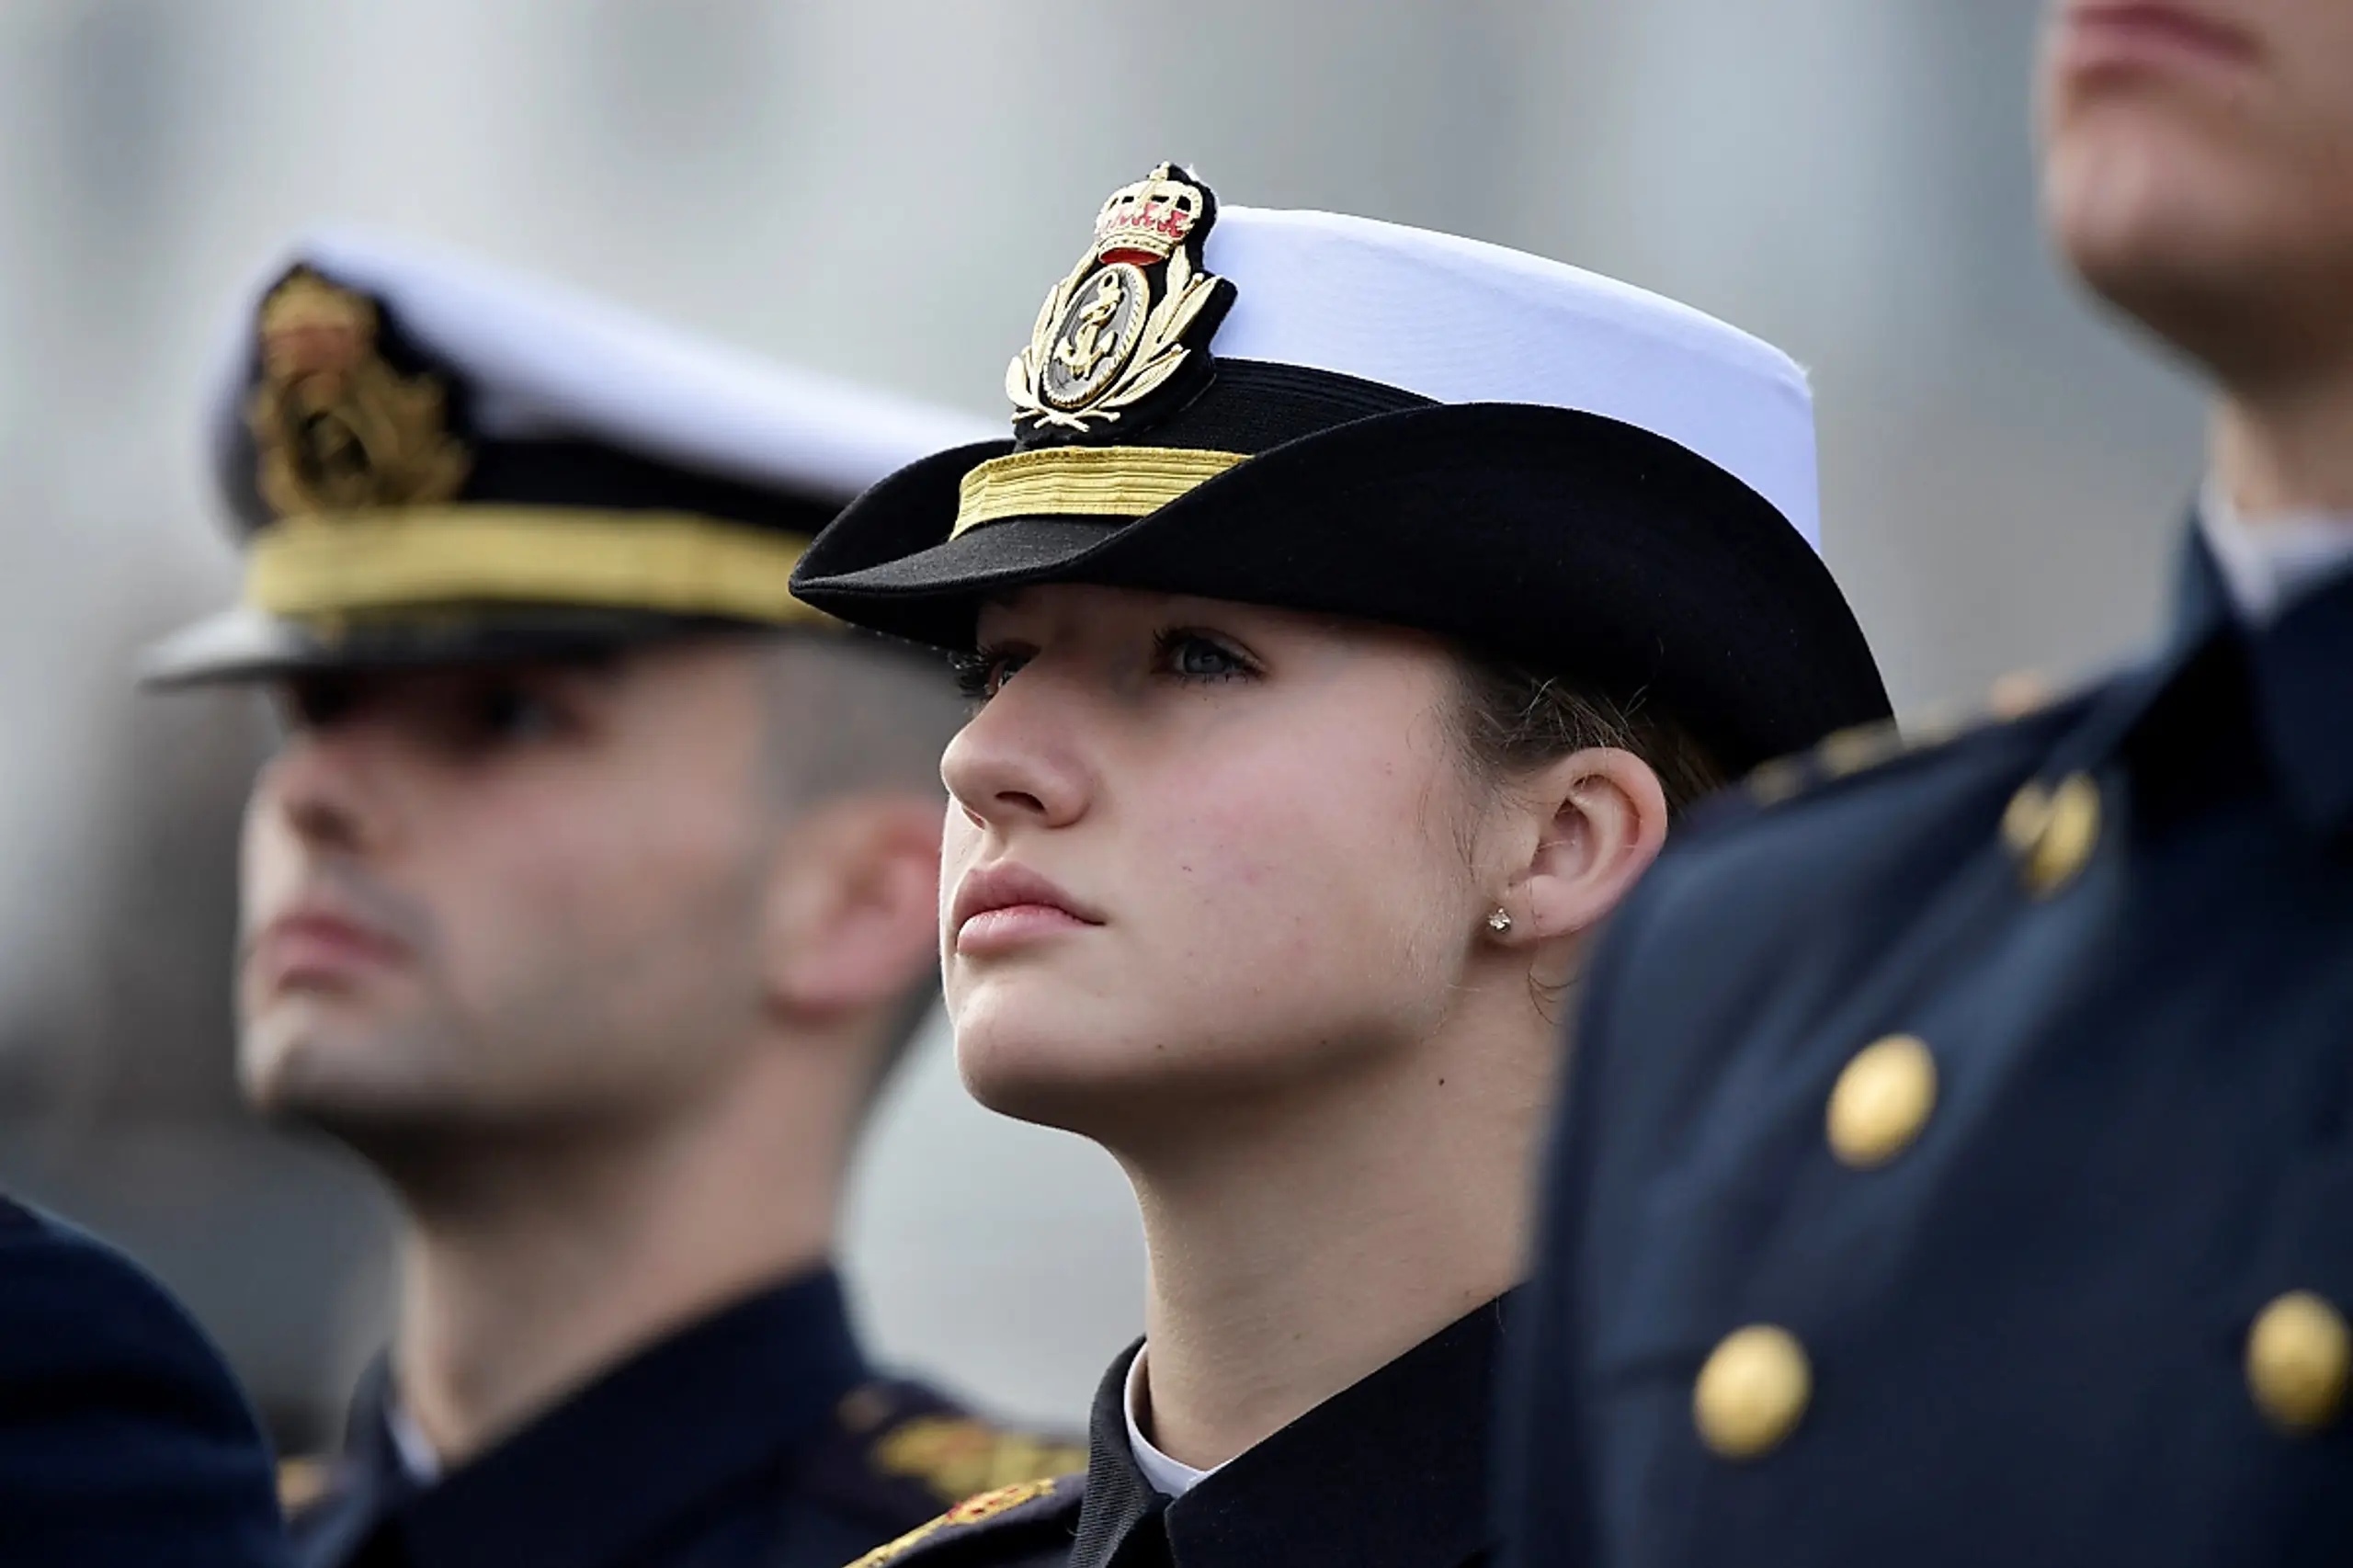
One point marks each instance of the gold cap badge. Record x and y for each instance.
(1126, 320)
(338, 428)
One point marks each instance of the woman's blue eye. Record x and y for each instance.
(1189, 655)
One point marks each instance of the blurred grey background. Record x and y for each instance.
(886, 188)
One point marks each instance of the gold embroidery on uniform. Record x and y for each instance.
(301, 1480)
(957, 1456)
(972, 1511)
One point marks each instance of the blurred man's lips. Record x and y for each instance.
(320, 950)
(2122, 35)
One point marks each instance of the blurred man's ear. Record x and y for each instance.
(854, 911)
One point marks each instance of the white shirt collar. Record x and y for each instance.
(1169, 1477)
(410, 1443)
(2268, 568)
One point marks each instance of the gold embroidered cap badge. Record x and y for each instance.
(1130, 316)
(336, 428)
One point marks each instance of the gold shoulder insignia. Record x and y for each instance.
(2017, 694)
(1847, 752)
(972, 1511)
(301, 1482)
(1865, 746)
(957, 1456)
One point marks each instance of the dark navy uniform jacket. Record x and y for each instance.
(1389, 1473)
(2002, 1094)
(124, 1440)
(757, 1436)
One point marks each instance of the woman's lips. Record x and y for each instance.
(999, 908)
(1013, 926)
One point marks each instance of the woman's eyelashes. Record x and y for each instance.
(1190, 654)
(983, 672)
(1179, 653)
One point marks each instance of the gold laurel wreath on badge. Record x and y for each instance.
(336, 427)
(1102, 343)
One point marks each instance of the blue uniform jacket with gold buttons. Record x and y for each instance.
(124, 1440)
(1957, 1167)
(756, 1438)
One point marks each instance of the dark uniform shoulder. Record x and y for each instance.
(2013, 727)
(898, 1453)
(123, 1436)
(1027, 1525)
(1787, 863)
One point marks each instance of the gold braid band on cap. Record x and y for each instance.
(1088, 482)
(675, 563)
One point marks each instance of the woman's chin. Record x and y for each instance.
(1056, 1076)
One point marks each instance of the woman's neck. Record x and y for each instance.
(1299, 1246)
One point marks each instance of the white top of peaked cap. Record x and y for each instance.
(545, 362)
(1458, 320)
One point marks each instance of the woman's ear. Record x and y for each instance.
(1608, 823)
(855, 907)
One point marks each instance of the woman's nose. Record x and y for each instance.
(1018, 759)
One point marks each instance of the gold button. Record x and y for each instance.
(1751, 1391)
(2052, 832)
(2298, 1356)
(1881, 1101)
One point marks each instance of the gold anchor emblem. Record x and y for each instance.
(1083, 348)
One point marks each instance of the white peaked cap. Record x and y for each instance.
(1407, 428)
(536, 470)
(544, 362)
(1459, 320)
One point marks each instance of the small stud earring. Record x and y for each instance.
(1499, 922)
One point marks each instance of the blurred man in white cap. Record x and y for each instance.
(589, 898)
(1983, 1195)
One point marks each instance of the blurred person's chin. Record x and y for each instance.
(2198, 196)
(2163, 221)
(306, 1060)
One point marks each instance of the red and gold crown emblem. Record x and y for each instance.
(1143, 221)
(1130, 314)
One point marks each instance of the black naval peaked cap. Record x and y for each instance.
(430, 459)
(1329, 413)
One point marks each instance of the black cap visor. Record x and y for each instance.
(1573, 544)
(247, 644)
